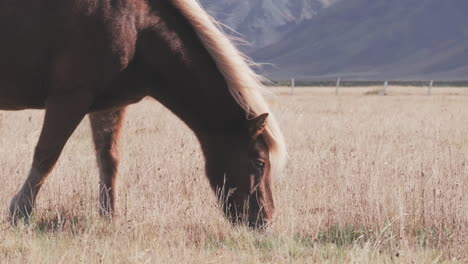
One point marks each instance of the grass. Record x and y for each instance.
(370, 179)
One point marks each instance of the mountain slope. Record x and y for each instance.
(376, 39)
(263, 22)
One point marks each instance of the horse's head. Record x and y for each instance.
(240, 173)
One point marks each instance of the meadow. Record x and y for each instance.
(369, 179)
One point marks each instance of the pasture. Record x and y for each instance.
(370, 179)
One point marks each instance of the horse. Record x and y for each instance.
(95, 57)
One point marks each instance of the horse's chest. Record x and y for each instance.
(116, 99)
(127, 88)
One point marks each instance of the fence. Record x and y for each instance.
(429, 85)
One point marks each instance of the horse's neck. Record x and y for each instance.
(186, 78)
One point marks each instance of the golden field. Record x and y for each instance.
(369, 179)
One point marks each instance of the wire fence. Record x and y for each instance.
(339, 84)
(351, 83)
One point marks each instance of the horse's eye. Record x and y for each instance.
(260, 164)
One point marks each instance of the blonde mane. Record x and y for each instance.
(244, 84)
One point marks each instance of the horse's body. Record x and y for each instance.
(47, 44)
(77, 57)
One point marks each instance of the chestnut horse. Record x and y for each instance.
(79, 57)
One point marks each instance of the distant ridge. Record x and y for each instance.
(376, 40)
(353, 39)
(264, 22)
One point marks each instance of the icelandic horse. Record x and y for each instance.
(79, 57)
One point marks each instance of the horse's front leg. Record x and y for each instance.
(106, 128)
(63, 114)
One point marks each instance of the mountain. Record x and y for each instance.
(375, 39)
(263, 22)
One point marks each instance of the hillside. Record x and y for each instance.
(264, 22)
(375, 39)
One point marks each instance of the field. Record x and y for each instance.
(370, 179)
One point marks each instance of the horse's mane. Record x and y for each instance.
(244, 84)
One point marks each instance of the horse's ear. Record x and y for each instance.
(257, 125)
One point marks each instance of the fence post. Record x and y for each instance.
(293, 86)
(384, 91)
(337, 86)
(429, 88)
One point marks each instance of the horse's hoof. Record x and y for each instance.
(20, 208)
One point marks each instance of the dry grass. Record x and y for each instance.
(370, 179)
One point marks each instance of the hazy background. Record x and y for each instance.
(352, 39)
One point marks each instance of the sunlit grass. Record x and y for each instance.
(370, 179)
